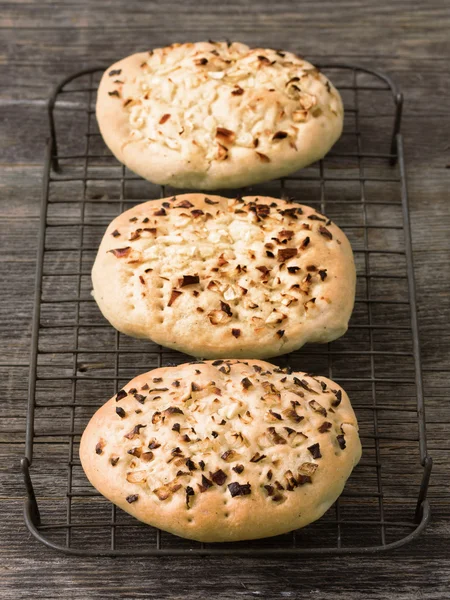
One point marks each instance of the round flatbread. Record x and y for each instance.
(216, 277)
(224, 450)
(214, 115)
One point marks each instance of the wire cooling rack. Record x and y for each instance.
(78, 361)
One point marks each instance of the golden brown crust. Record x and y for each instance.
(242, 117)
(217, 277)
(223, 451)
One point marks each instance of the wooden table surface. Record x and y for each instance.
(46, 40)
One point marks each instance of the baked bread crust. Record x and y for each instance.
(224, 450)
(213, 115)
(216, 277)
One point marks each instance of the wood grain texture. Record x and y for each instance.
(47, 40)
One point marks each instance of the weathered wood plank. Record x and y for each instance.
(44, 572)
(350, 29)
(62, 14)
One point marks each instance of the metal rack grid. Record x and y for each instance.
(78, 360)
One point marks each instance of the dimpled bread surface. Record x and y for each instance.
(223, 450)
(213, 277)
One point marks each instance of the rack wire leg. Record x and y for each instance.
(31, 505)
(396, 127)
(428, 465)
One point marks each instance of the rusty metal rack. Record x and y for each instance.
(78, 360)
